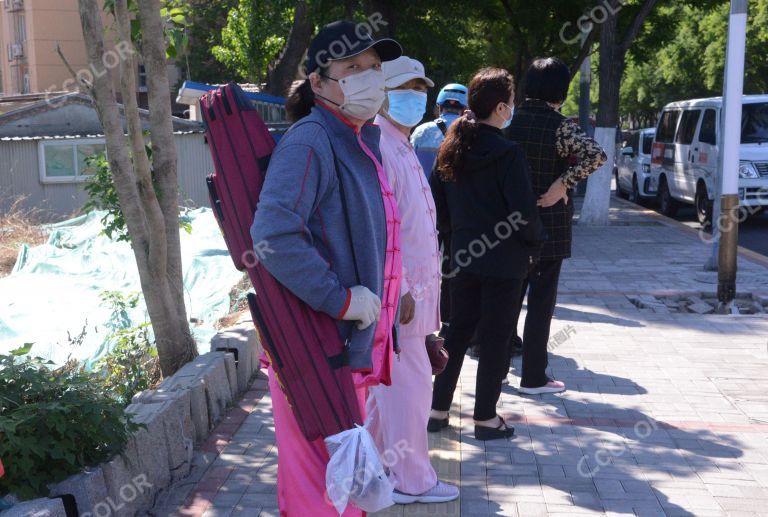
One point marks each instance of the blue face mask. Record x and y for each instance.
(406, 107)
(507, 122)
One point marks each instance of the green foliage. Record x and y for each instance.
(102, 195)
(132, 364)
(207, 19)
(174, 14)
(254, 35)
(681, 55)
(53, 423)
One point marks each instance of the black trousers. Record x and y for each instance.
(484, 304)
(541, 285)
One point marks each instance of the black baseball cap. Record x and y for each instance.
(342, 39)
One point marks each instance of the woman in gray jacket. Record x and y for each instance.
(337, 250)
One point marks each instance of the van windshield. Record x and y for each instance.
(754, 123)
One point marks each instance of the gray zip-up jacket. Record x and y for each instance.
(300, 229)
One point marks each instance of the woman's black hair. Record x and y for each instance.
(547, 79)
(301, 99)
(488, 88)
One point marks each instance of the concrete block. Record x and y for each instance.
(152, 453)
(231, 368)
(217, 390)
(701, 308)
(88, 489)
(117, 476)
(37, 508)
(243, 341)
(176, 410)
(206, 377)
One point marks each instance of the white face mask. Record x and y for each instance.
(363, 94)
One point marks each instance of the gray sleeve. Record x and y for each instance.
(296, 181)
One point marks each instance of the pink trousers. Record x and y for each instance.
(301, 464)
(398, 417)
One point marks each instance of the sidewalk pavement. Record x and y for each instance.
(665, 414)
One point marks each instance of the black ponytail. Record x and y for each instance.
(300, 101)
(488, 88)
(450, 158)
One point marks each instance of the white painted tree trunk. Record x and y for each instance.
(598, 198)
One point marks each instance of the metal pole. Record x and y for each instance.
(585, 81)
(731, 142)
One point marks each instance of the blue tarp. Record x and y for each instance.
(54, 289)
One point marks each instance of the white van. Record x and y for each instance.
(685, 155)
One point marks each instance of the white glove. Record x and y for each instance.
(364, 306)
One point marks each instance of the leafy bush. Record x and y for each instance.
(102, 195)
(53, 423)
(132, 365)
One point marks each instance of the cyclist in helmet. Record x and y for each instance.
(426, 138)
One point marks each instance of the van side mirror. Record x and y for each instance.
(628, 151)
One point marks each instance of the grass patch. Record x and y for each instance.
(19, 226)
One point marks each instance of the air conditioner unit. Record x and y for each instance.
(15, 51)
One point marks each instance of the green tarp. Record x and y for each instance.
(53, 292)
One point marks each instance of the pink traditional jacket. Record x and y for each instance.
(418, 234)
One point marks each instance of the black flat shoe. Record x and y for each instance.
(494, 433)
(435, 425)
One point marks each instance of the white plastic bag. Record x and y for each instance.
(355, 473)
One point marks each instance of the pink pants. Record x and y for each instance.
(301, 464)
(398, 417)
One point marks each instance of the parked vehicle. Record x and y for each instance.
(684, 159)
(633, 171)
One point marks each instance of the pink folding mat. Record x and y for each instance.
(304, 346)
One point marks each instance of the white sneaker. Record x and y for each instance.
(550, 387)
(440, 493)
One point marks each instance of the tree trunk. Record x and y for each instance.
(387, 12)
(612, 61)
(152, 223)
(285, 67)
(598, 197)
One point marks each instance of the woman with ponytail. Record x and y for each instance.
(484, 200)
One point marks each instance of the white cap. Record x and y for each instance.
(401, 70)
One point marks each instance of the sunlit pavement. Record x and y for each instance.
(665, 414)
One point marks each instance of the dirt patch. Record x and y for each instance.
(19, 226)
(699, 303)
(238, 304)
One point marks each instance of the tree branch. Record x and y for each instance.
(82, 81)
(637, 24)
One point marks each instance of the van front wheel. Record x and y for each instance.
(667, 204)
(703, 206)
